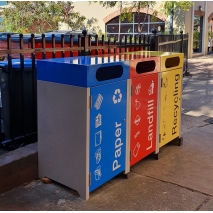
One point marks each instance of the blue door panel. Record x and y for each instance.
(107, 132)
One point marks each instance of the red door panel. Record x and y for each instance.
(143, 116)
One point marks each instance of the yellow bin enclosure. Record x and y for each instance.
(170, 97)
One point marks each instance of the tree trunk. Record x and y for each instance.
(119, 25)
(139, 26)
(171, 20)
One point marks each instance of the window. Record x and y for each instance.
(126, 27)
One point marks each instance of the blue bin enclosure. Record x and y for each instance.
(84, 100)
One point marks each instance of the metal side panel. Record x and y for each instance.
(63, 135)
(128, 126)
(158, 114)
(181, 92)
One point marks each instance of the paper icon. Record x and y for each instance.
(98, 138)
(98, 120)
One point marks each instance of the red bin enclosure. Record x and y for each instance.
(143, 123)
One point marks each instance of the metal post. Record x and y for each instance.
(181, 46)
(84, 43)
(154, 40)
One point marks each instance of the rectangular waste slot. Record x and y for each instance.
(82, 112)
(18, 97)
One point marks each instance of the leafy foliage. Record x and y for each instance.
(107, 4)
(168, 6)
(38, 16)
(91, 25)
(196, 37)
(71, 18)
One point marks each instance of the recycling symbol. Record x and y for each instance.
(117, 96)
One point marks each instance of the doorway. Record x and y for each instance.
(198, 34)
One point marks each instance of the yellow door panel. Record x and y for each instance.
(170, 106)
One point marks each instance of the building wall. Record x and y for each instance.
(189, 23)
(207, 10)
(94, 10)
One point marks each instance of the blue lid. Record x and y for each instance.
(16, 63)
(84, 71)
(87, 60)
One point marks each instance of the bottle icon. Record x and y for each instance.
(151, 88)
(136, 149)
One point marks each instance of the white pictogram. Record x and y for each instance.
(151, 88)
(98, 101)
(137, 104)
(138, 89)
(98, 138)
(98, 120)
(117, 96)
(137, 120)
(136, 134)
(98, 155)
(136, 149)
(97, 173)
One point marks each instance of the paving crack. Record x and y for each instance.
(185, 187)
(204, 125)
(204, 202)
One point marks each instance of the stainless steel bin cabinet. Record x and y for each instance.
(82, 120)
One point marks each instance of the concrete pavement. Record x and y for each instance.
(181, 180)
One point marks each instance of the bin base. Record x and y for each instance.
(188, 74)
(177, 141)
(127, 175)
(155, 155)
